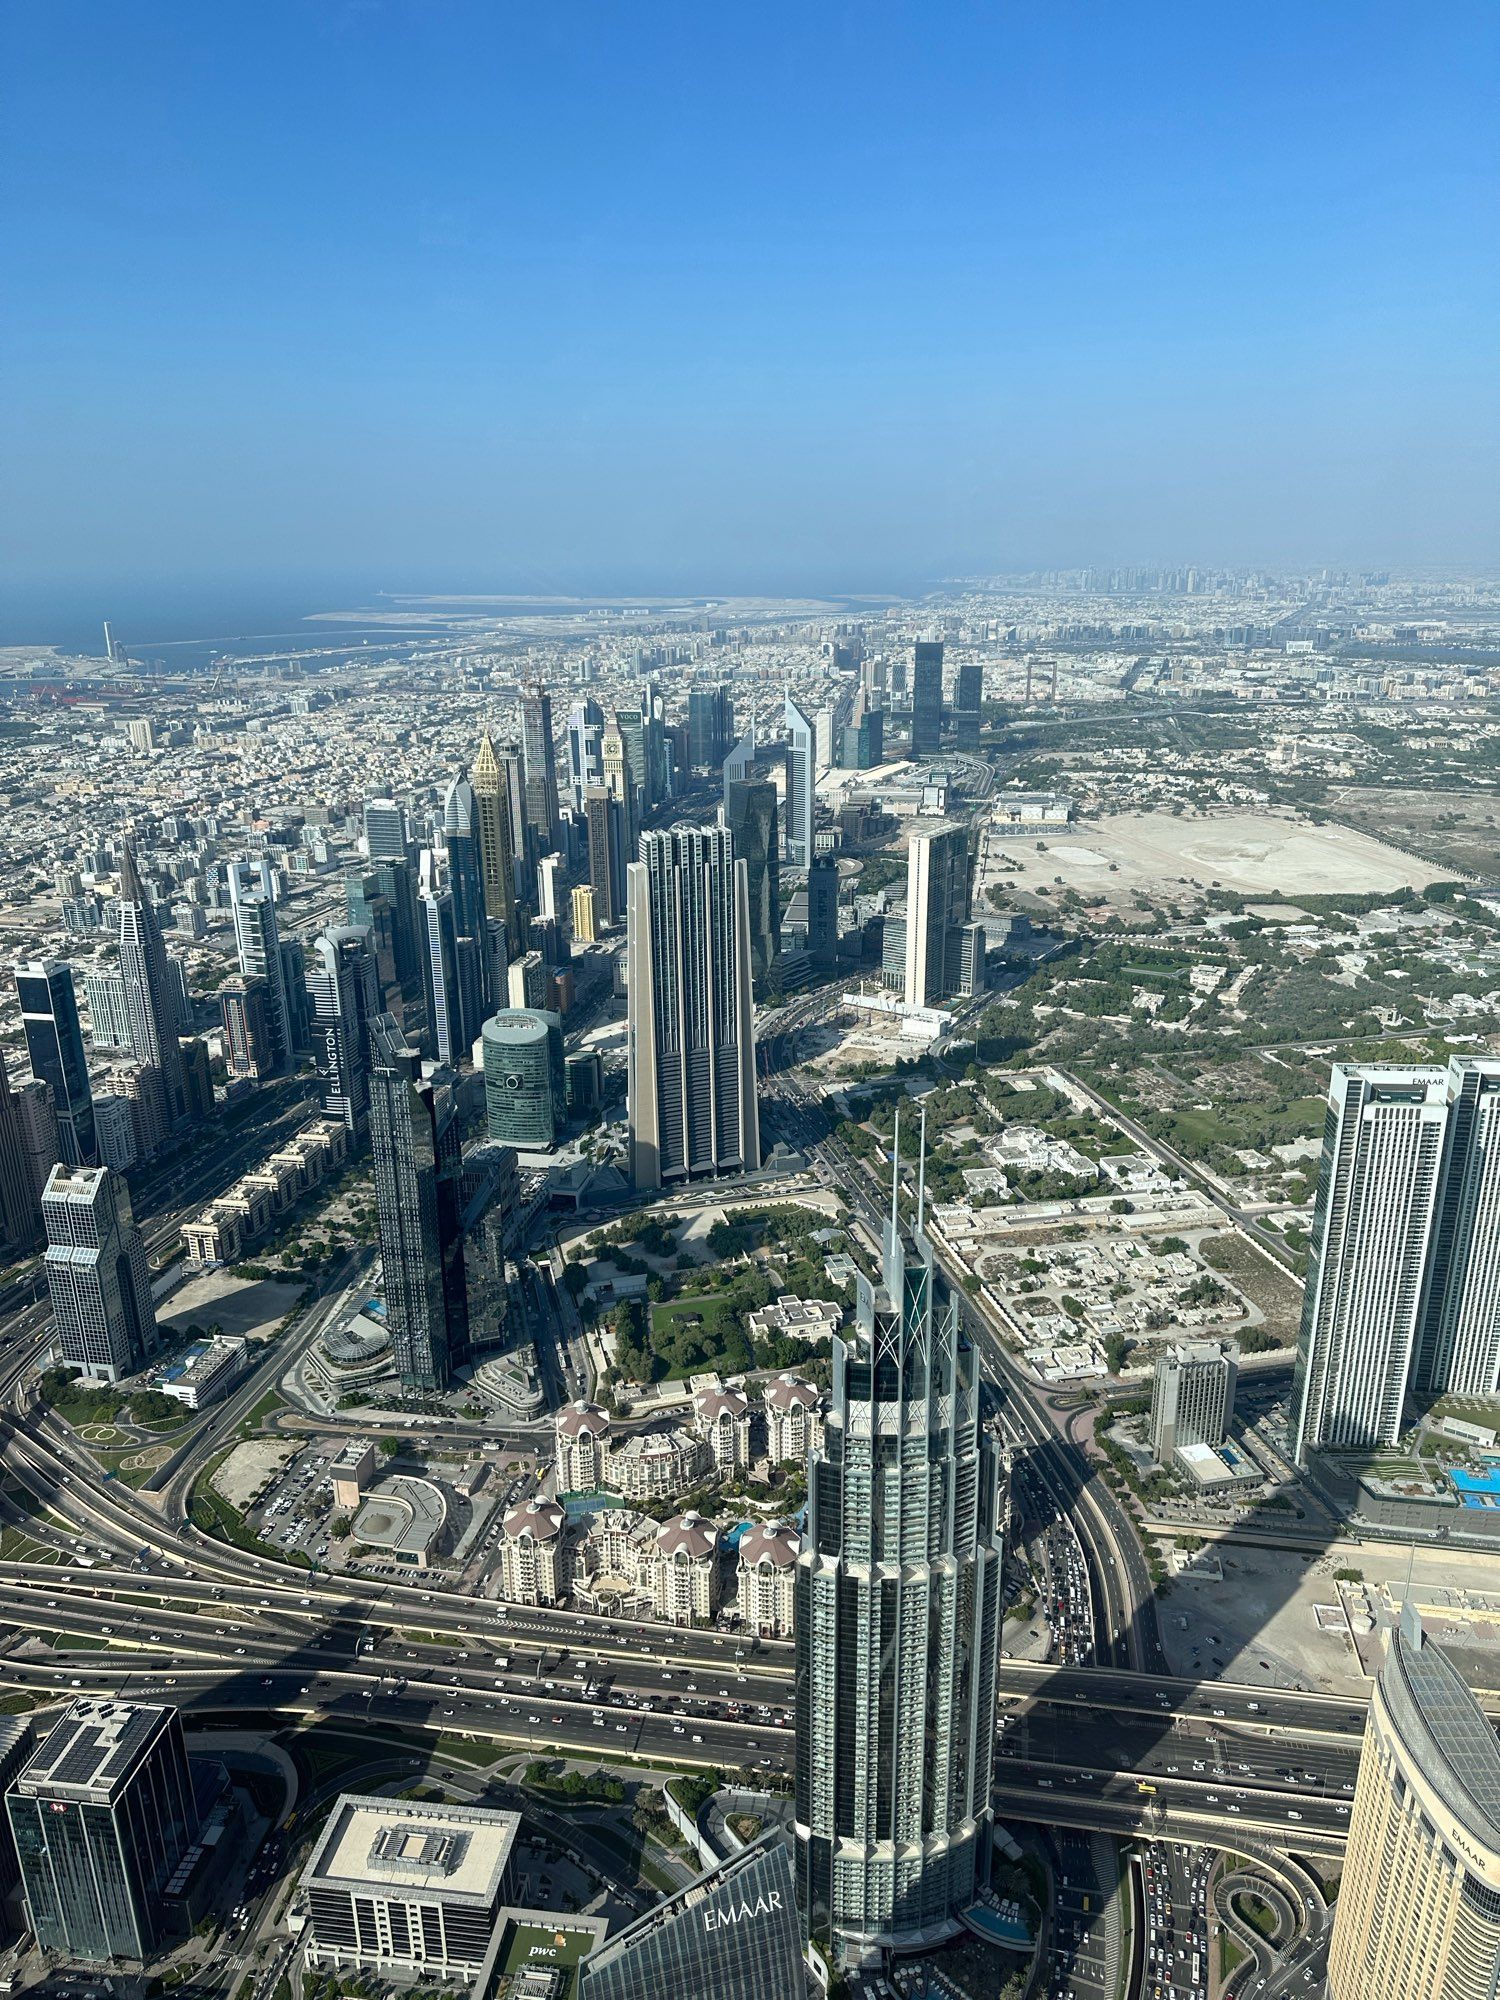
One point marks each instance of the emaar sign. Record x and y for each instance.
(737, 1913)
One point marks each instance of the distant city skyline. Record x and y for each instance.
(639, 300)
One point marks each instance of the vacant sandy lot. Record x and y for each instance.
(254, 1307)
(1251, 853)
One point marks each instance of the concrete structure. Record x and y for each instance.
(419, 1207)
(721, 1417)
(687, 1571)
(351, 1473)
(101, 1815)
(97, 1274)
(1418, 1914)
(692, 1106)
(394, 1883)
(898, 1622)
(938, 909)
(794, 1420)
(801, 1319)
(767, 1566)
(1192, 1398)
(524, 1089)
(585, 914)
(580, 1431)
(534, 1566)
(203, 1374)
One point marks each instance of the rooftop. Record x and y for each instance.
(91, 1753)
(456, 1852)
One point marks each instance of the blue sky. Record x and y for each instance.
(433, 292)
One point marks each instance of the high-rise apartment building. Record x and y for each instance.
(691, 1038)
(257, 937)
(250, 1044)
(152, 1019)
(97, 1274)
(1192, 1398)
(497, 845)
(585, 918)
(801, 788)
(102, 1815)
(1403, 1280)
(414, 1139)
(109, 1017)
(927, 698)
(750, 815)
(938, 906)
(344, 997)
(540, 756)
(609, 856)
(387, 833)
(1418, 1911)
(20, 1212)
(54, 1046)
(898, 1621)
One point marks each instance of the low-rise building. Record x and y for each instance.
(351, 1474)
(768, 1578)
(800, 1319)
(655, 1465)
(202, 1374)
(227, 1228)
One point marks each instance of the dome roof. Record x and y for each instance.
(574, 1419)
(711, 1403)
(776, 1543)
(543, 1520)
(788, 1392)
(689, 1534)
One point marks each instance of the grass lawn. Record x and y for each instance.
(667, 1318)
(1260, 1916)
(1231, 1955)
(553, 1946)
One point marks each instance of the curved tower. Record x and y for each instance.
(898, 1623)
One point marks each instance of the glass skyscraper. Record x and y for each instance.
(733, 1934)
(898, 1622)
(97, 1274)
(524, 1085)
(101, 1816)
(54, 1044)
(927, 698)
(801, 779)
(750, 815)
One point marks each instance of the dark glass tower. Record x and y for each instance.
(419, 1209)
(605, 819)
(466, 881)
(97, 1274)
(54, 1043)
(539, 754)
(750, 815)
(344, 994)
(150, 993)
(927, 698)
(101, 1816)
(898, 1622)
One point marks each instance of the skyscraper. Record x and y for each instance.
(525, 1091)
(20, 1213)
(1192, 1398)
(414, 1138)
(440, 966)
(608, 854)
(497, 862)
(585, 919)
(54, 1044)
(622, 781)
(344, 996)
(1404, 1270)
(750, 815)
(540, 755)
(461, 849)
(1419, 1901)
(387, 835)
(710, 727)
(968, 704)
(823, 911)
(257, 936)
(97, 1274)
(585, 748)
(800, 786)
(150, 994)
(898, 1621)
(927, 698)
(249, 1037)
(938, 906)
(102, 1815)
(691, 1039)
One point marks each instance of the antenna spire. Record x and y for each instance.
(921, 1169)
(895, 1172)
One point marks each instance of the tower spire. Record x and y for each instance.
(921, 1170)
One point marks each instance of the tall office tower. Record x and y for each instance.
(1419, 1902)
(585, 920)
(294, 984)
(497, 854)
(97, 1273)
(387, 834)
(823, 911)
(102, 1815)
(109, 1017)
(257, 936)
(344, 997)
(54, 1044)
(1192, 1399)
(864, 740)
(800, 787)
(973, 960)
(461, 846)
(114, 1128)
(548, 887)
(750, 815)
(440, 966)
(691, 1039)
(36, 1120)
(608, 853)
(414, 1138)
(368, 908)
(525, 1090)
(585, 748)
(250, 1048)
(729, 1934)
(621, 781)
(523, 835)
(739, 765)
(1458, 1337)
(20, 1214)
(968, 704)
(927, 698)
(529, 981)
(710, 727)
(1383, 1144)
(152, 1019)
(898, 1620)
(661, 767)
(938, 907)
(540, 755)
(632, 727)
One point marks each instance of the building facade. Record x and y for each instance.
(580, 1434)
(927, 698)
(1418, 1913)
(898, 1623)
(938, 908)
(149, 994)
(750, 815)
(419, 1208)
(343, 998)
(801, 785)
(767, 1577)
(524, 1086)
(1192, 1398)
(54, 1048)
(534, 1567)
(97, 1274)
(691, 1027)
